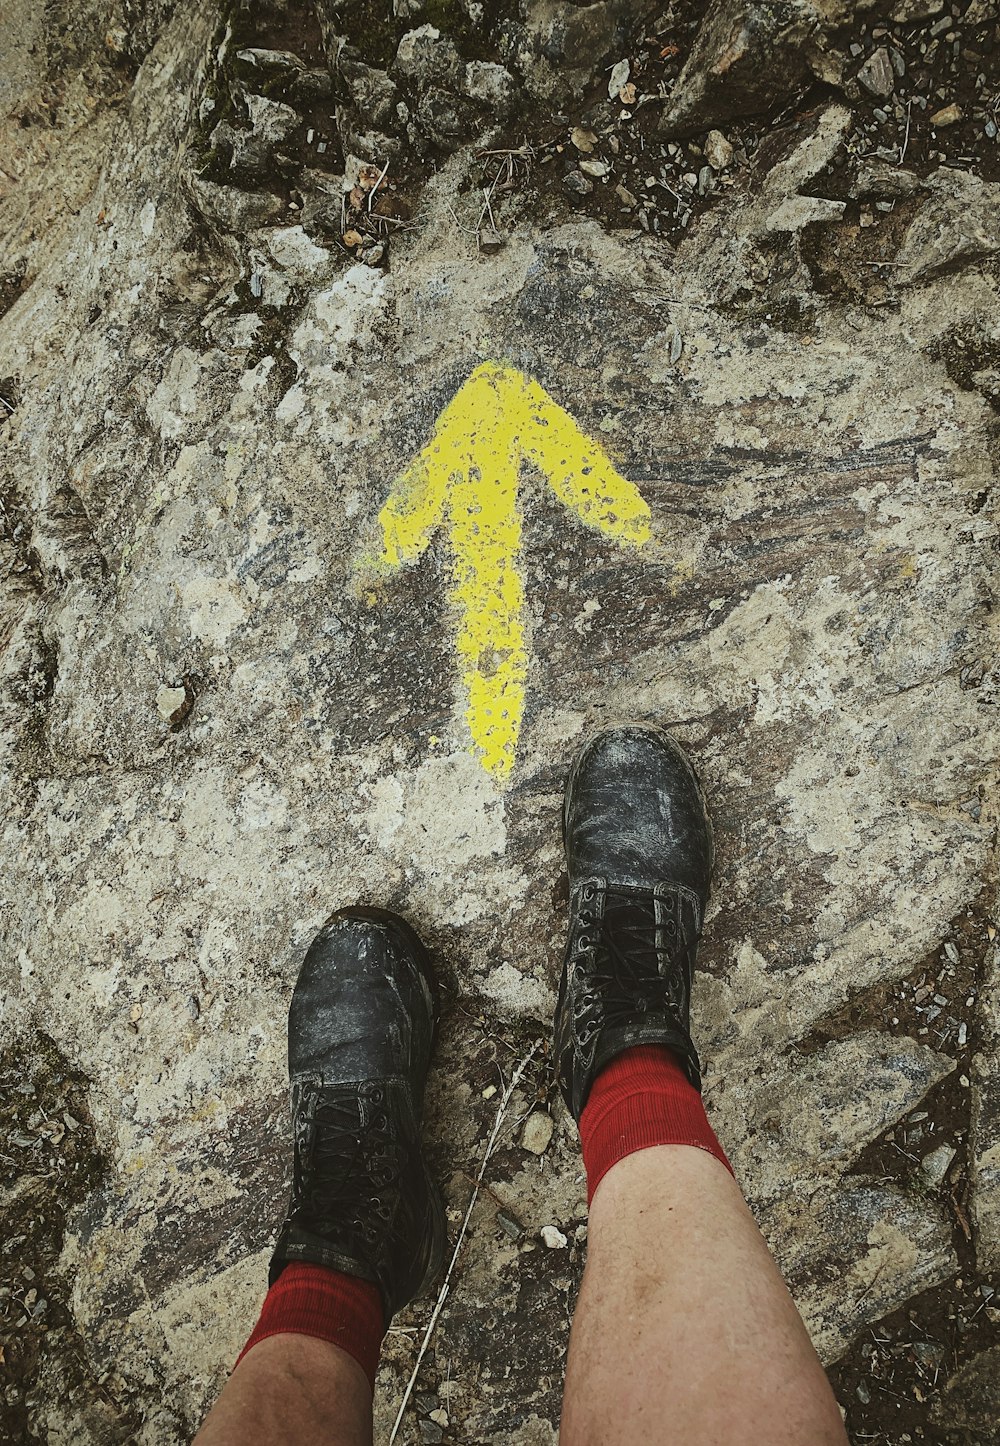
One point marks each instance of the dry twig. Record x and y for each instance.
(491, 1144)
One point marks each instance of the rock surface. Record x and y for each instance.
(959, 223)
(985, 1142)
(747, 53)
(970, 1403)
(215, 727)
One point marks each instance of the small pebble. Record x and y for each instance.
(718, 151)
(877, 75)
(619, 77)
(553, 1238)
(537, 1133)
(935, 1166)
(947, 116)
(168, 700)
(509, 1226)
(928, 1353)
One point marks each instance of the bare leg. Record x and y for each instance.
(292, 1390)
(685, 1331)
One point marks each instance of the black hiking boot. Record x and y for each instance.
(639, 855)
(360, 1029)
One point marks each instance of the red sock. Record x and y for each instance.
(642, 1098)
(310, 1300)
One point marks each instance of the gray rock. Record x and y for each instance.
(970, 1402)
(445, 118)
(559, 46)
(877, 1247)
(877, 74)
(958, 224)
(984, 1138)
(578, 183)
(311, 87)
(371, 146)
(371, 90)
(280, 61)
(537, 1133)
(794, 213)
(746, 54)
(233, 209)
(885, 182)
(248, 154)
(169, 700)
(425, 57)
(935, 1165)
(910, 12)
(718, 151)
(490, 85)
(271, 120)
(987, 382)
(811, 1105)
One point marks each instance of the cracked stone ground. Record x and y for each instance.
(217, 727)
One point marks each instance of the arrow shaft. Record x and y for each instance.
(468, 476)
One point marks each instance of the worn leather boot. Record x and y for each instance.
(360, 1030)
(639, 855)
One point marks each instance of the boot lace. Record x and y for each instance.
(633, 959)
(350, 1166)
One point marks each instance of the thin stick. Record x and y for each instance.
(505, 1099)
(371, 193)
(906, 137)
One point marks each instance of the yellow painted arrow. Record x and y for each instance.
(467, 478)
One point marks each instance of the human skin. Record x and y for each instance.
(684, 1332)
